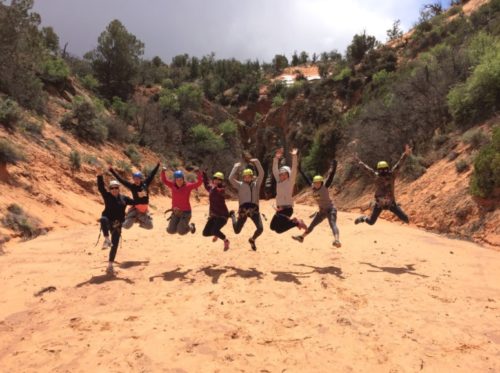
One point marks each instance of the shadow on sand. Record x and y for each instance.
(173, 275)
(101, 279)
(408, 269)
(281, 276)
(246, 273)
(330, 270)
(213, 272)
(131, 264)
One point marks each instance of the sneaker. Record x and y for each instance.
(231, 214)
(193, 228)
(226, 244)
(106, 244)
(298, 238)
(252, 244)
(110, 270)
(361, 219)
(301, 224)
(337, 243)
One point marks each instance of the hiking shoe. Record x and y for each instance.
(226, 244)
(361, 219)
(337, 243)
(192, 228)
(252, 244)
(301, 224)
(106, 244)
(298, 238)
(231, 214)
(110, 270)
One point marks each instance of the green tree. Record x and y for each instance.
(395, 31)
(189, 96)
(303, 58)
(115, 61)
(360, 45)
(295, 59)
(279, 63)
(51, 39)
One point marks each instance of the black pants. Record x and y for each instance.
(281, 221)
(331, 215)
(242, 218)
(213, 227)
(393, 207)
(116, 232)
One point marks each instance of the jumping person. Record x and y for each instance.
(140, 193)
(326, 208)
(181, 208)
(385, 199)
(218, 212)
(113, 216)
(248, 198)
(285, 182)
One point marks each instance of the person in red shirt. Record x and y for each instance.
(218, 213)
(181, 208)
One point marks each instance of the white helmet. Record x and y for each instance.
(114, 183)
(285, 169)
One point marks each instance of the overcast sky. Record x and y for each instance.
(247, 29)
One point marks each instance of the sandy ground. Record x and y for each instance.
(392, 299)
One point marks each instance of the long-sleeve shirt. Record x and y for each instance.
(140, 192)
(284, 189)
(217, 199)
(321, 195)
(384, 182)
(247, 192)
(114, 207)
(180, 195)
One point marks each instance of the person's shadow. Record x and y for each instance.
(288, 276)
(101, 279)
(130, 264)
(408, 269)
(246, 273)
(173, 275)
(213, 272)
(330, 270)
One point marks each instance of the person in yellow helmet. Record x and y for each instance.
(218, 212)
(385, 199)
(327, 209)
(248, 197)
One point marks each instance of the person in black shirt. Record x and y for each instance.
(113, 216)
(140, 192)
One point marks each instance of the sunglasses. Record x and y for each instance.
(216, 178)
(114, 188)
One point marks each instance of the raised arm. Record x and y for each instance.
(365, 167)
(163, 177)
(151, 176)
(124, 182)
(260, 171)
(198, 182)
(295, 164)
(206, 184)
(275, 169)
(100, 185)
(331, 173)
(401, 160)
(232, 176)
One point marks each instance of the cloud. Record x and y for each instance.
(241, 29)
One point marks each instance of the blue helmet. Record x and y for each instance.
(137, 175)
(178, 174)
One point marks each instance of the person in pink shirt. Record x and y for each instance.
(181, 208)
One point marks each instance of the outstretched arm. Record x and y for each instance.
(260, 171)
(295, 162)
(151, 176)
(100, 185)
(232, 176)
(401, 160)
(365, 167)
(198, 182)
(163, 177)
(124, 182)
(275, 169)
(331, 173)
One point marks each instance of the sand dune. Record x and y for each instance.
(392, 299)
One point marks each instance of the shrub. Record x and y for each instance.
(54, 70)
(168, 101)
(117, 129)
(228, 128)
(75, 160)
(461, 166)
(124, 166)
(413, 167)
(485, 180)
(278, 101)
(33, 128)
(19, 221)
(9, 153)
(343, 74)
(84, 122)
(91, 160)
(439, 139)
(133, 154)
(189, 96)
(205, 140)
(9, 113)
(123, 109)
(475, 138)
(89, 82)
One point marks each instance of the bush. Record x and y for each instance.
(228, 128)
(168, 101)
(343, 74)
(117, 129)
(123, 109)
(133, 154)
(75, 160)
(485, 180)
(19, 221)
(91, 160)
(89, 82)
(278, 101)
(54, 70)
(413, 167)
(475, 138)
(33, 128)
(84, 122)
(438, 140)
(9, 113)
(205, 140)
(189, 96)
(124, 166)
(9, 153)
(461, 166)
